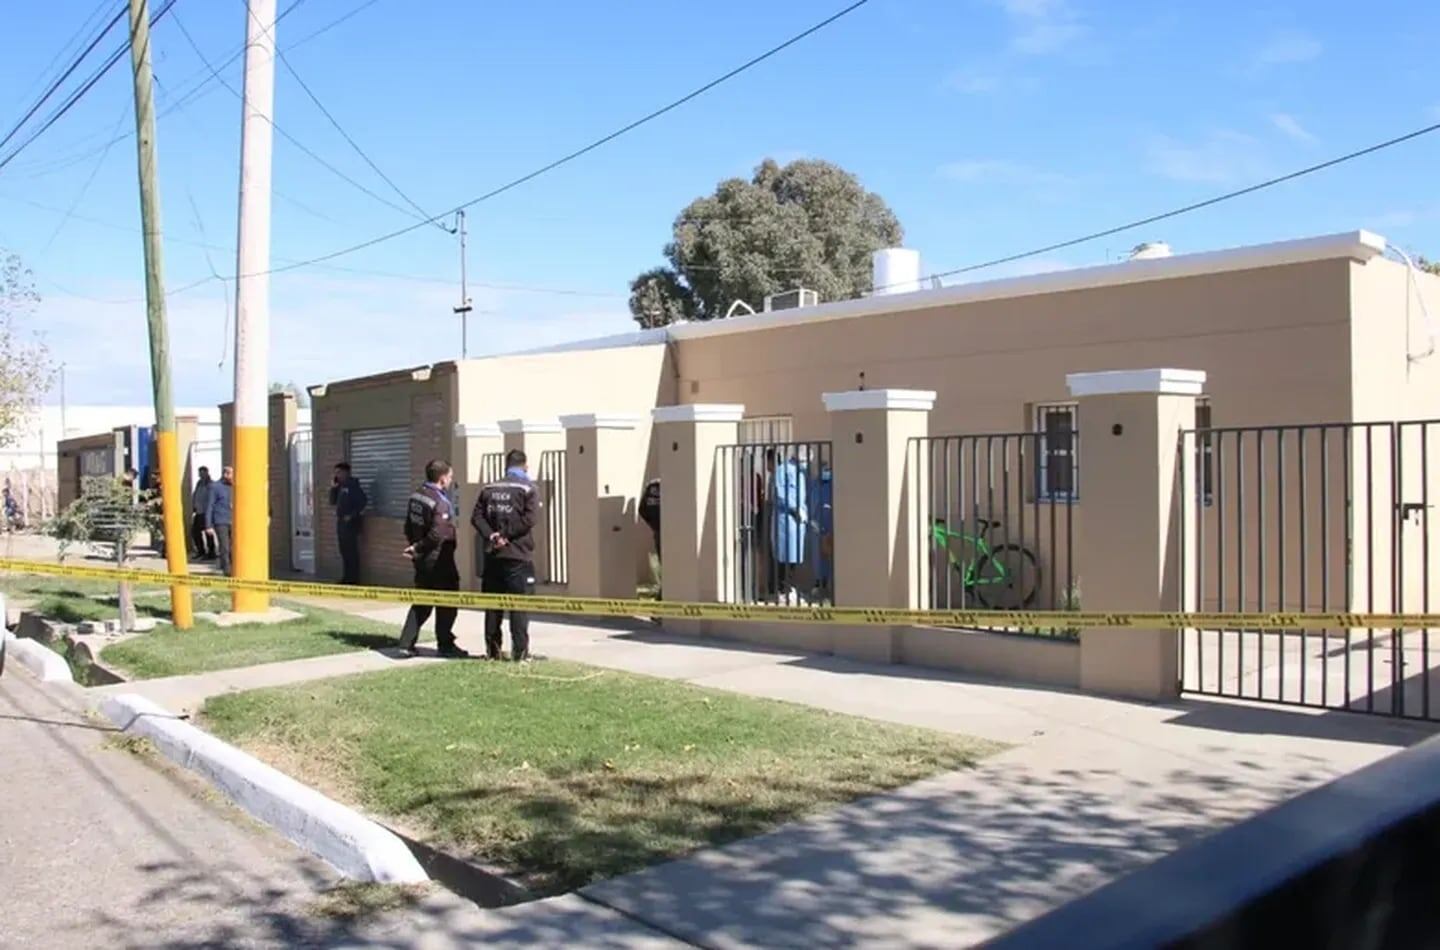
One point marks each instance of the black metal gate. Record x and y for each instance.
(774, 503)
(1321, 517)
(995, 521)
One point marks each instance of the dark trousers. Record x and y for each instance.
(437, 574)
(224, 541)
(204, 544)
(349, 535)
(507, 576)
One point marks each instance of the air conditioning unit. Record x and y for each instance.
(791, 299)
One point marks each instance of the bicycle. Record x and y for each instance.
(1001, 577)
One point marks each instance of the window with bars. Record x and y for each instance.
(765, 430)
(1205, 443)
(1057, 476)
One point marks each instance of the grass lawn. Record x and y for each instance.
(561, 774)
(170, 652)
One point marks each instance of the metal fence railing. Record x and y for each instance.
(777, 531)
(1315, 517)
(492, 467)
(552, 554)
(995, 522)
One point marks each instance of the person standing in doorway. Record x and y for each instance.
(504, 517)
(200, 537)
(220, 517)
(430, 529)
(348, 499)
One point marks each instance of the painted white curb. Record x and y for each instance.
(45, 663)
(355, 845)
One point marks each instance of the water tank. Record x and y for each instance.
(896, 270)
(1150, 250)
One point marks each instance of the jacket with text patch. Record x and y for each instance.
(430, 524)
(507, 508)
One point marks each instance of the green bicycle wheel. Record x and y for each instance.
(1007, 579)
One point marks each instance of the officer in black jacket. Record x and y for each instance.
(504, 516)
(430, 529)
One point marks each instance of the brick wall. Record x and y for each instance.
(329, 448)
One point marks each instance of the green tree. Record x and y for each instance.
(807, 224)
(26, 370)
(1426, 264)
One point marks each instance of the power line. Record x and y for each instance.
(310, 93)
(79, 94)
(196, 91)
(586, 149)
(284, 134)
(70, 46)
(1186, 209)
(55, 85)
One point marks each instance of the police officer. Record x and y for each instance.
(504, 516)
(430, 529)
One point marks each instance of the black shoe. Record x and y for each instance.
(453, 652)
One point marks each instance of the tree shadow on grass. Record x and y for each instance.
(361, 640)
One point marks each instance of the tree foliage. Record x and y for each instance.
(807, 224)
(26, 370)
(1425, 264)
(108, 511)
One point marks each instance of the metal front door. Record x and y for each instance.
(302, 503)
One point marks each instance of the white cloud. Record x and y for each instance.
(1223, 157)
(1043, 27)
(1287, 48)
(1290, 126)
(1000, 172)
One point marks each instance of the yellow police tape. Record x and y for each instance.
(853, 616)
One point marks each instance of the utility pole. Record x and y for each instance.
(464, 309)
(175, 558)
(252, 310)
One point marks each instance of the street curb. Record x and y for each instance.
(356, 846)
(47, 665)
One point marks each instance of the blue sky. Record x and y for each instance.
(990, 126)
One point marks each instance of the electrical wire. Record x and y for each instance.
(84, 188)
(188, 97)
(583, 150)
(1185, 209)
(310, 93)
(55, 85)
(79, 94)
(69, 48)
(180, 24)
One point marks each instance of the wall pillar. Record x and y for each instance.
(604, 462)
(470, 443)
(877, 559)
(690, 533)
(1136, 519)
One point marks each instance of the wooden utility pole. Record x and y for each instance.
(252, 309)
(169, 452)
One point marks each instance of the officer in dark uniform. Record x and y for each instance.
(430, 529)
(650, 510)
(504, 517)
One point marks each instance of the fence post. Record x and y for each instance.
(690, 531)
(604, 461)
(471, 443)
(1136, 513)
(877, 560)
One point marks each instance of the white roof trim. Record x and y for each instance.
(699, 412)
(477, 430)
(528, 426)
(921, 400)
(1168, 382)
(590, 420)
(1352, 245)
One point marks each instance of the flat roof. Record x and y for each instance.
(1351, 245)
